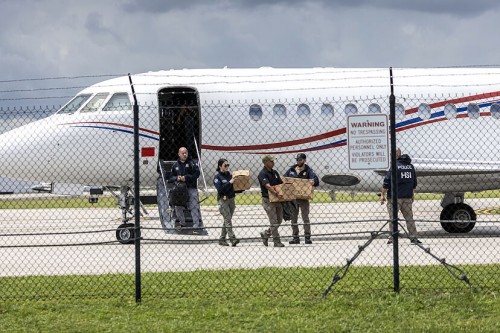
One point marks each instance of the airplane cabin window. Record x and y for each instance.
(495, 110)
(74, 104)
(118, 102)
(95, 103)
(350, 109)
(450, 111)
(473, 110)
(255, 112)
(400, 111)
(303, 110)
(279, 110)
(327, 110)
(424, 111)
(374, 108)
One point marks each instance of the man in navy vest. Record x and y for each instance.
(186, 170)
(268, 178)
(304, 171)
(407, 182)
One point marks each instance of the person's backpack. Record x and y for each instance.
(179, 195)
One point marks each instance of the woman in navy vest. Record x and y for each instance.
(223, 182)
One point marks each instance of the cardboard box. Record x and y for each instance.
(241, 183)
(286, 190)
(303, 189)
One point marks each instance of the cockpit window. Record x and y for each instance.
(74, 104)
(118, 102)
(95, 103)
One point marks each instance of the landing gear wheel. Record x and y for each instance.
(125, 233)
(461, 216)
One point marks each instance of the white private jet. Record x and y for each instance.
(446, 119)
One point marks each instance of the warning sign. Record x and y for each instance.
(368, 141)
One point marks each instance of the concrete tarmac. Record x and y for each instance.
(83, 241)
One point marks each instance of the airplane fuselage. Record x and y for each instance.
(244, 113)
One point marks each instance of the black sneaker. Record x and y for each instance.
(295, 240)
(279, 244)
(308, 240)
(234, 242)
(265, 240)
(389, 241)
(223, 242)
(415, 241)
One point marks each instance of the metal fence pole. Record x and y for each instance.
(394, 185)
(137, 220)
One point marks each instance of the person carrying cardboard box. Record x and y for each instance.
(302, 171)
(224, 183)
(268, 179)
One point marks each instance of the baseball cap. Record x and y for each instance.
(267, 158)
(301, 156)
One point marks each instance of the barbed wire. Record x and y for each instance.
(312, 71)
(41, 89)
(270, 85)
(61, 78)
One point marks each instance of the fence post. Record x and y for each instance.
(394, 186)
(137, 207)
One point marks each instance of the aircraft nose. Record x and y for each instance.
(25, 152)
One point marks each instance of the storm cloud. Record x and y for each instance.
(49, 38)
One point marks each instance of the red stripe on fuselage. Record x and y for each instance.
(114, 124)
(422, 123)
(279, 144)
(296, 150)
(457, 100)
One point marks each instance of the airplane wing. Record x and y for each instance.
(443, 167)
(442, 175)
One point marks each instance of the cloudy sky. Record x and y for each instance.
(55, 38)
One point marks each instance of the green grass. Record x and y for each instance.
(262, 300)
(370, 312)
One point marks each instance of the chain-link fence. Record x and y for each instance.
(57, 244)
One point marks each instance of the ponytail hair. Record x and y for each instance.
(220, 162)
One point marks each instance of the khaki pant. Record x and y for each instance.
(226, 208)
(303, 206)
(274, 211)
(405, 206)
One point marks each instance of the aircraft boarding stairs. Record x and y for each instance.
(168, 218)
